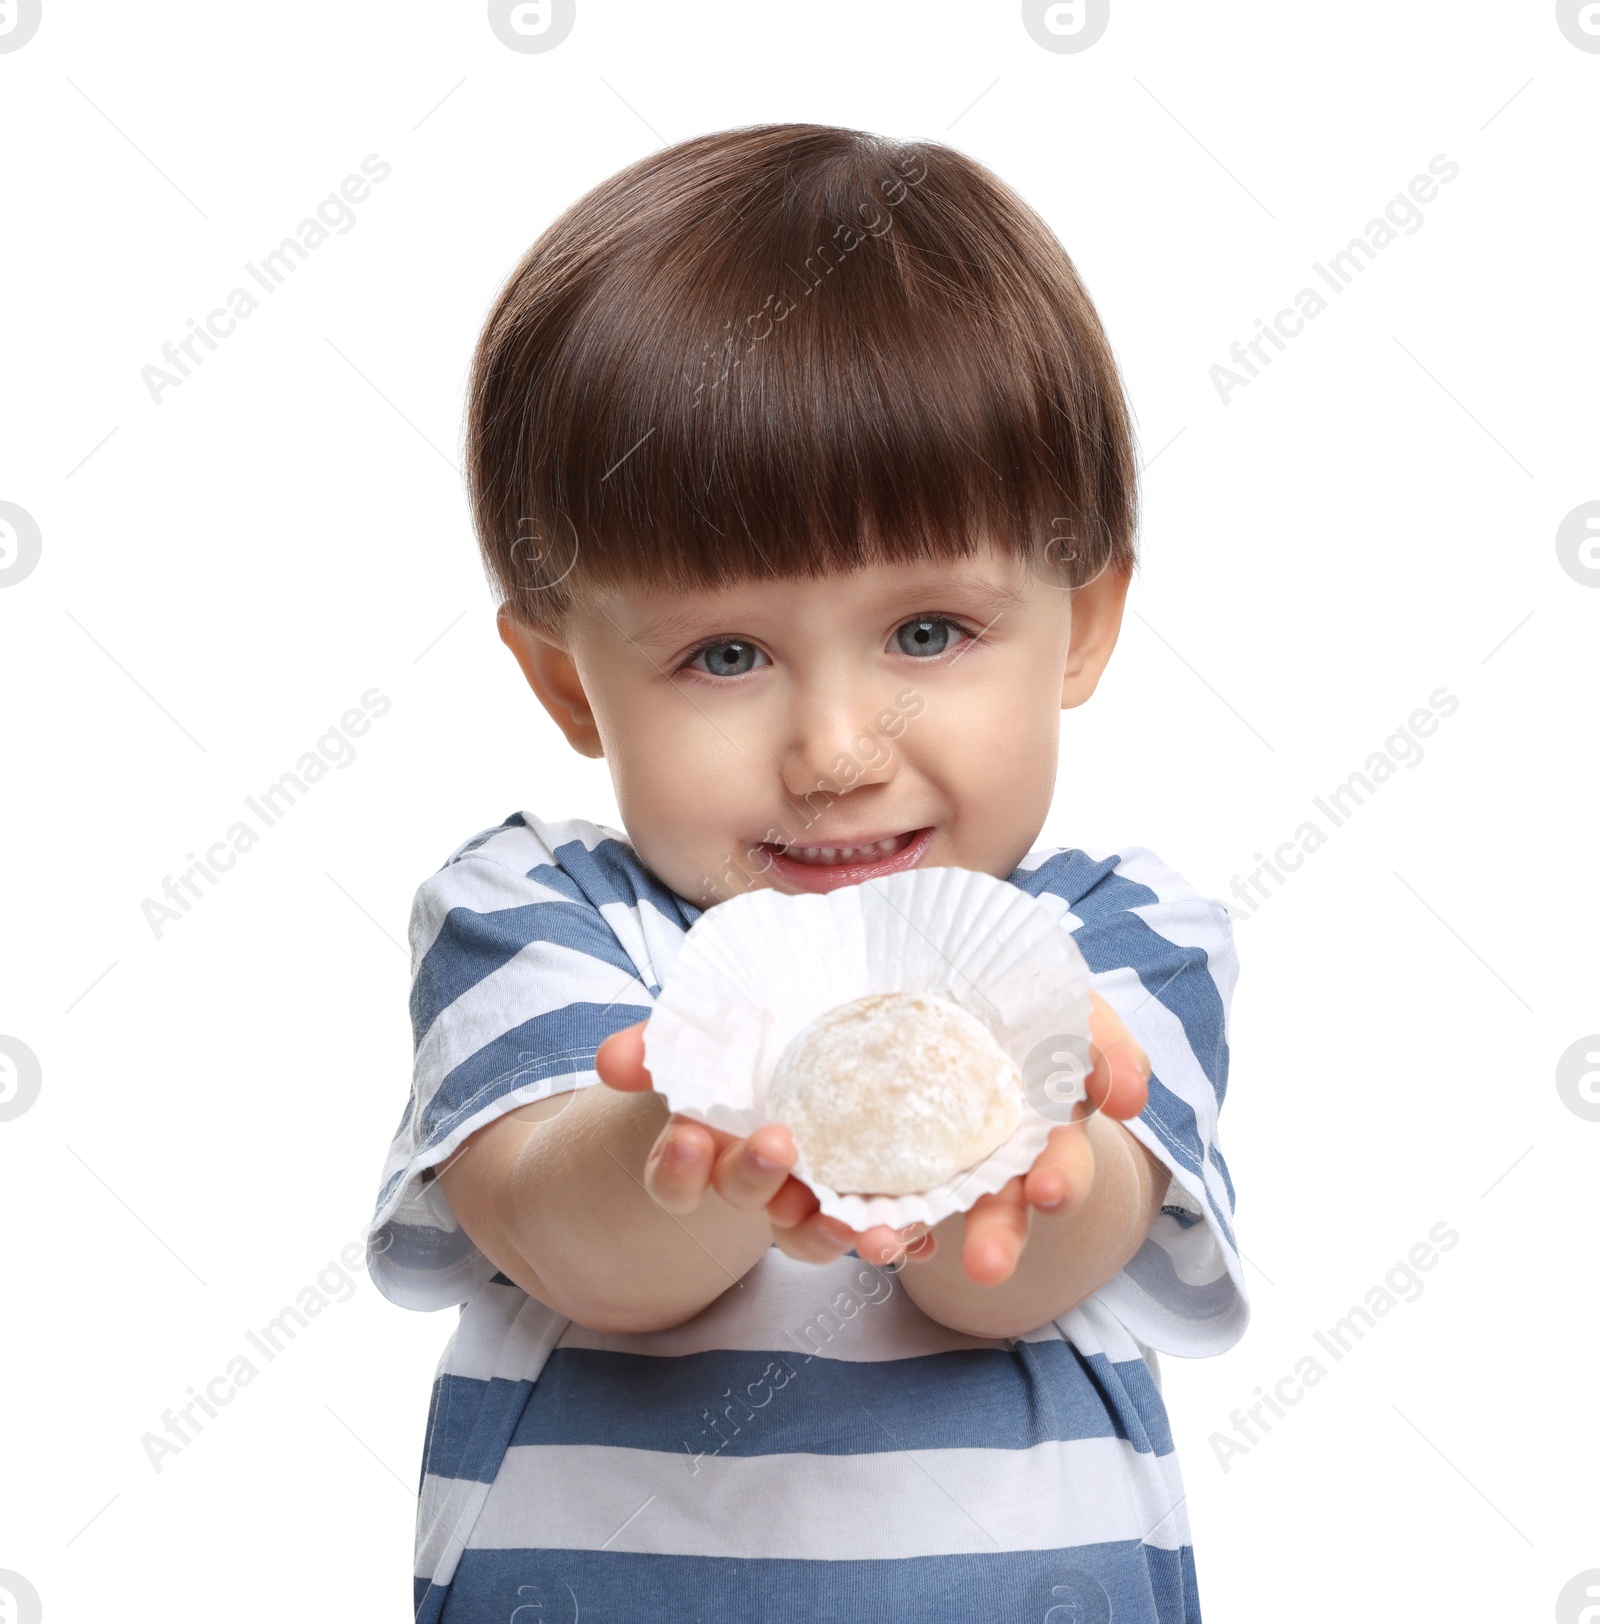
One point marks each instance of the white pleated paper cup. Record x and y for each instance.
(755, 970)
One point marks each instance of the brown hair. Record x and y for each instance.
(787, 349)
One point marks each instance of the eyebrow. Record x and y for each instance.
(663, 628)
(986, 596)
(988, 599)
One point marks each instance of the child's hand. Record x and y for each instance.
(1059, 1181)
(688, 1158)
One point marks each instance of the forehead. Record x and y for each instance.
(985, 584)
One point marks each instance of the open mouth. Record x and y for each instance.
(822, 867)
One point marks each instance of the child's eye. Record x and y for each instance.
(729, 657)
(928, 635)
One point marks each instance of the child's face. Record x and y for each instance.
(807, 734)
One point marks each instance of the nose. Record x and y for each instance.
(833, 744)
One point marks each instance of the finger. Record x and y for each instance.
(792, 1204)
(996, 1230)
(620, 1060)
(678, 1168)
(878, 1244)
(1062, 1176)
(1119, 1083)
(883, 1243)
(922, 1248)
(750, 1172)
(816, 1239)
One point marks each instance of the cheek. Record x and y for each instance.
(683, 794)
(1018, 756)
(992, 751)
(662, 775)
(991, 737)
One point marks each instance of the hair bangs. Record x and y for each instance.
(789, 350)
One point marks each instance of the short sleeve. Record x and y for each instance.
(517, 978)
(1162, 955)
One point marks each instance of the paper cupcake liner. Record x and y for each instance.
(756, 969)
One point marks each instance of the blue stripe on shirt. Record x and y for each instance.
(745, 1402)
(612, 872)
(1079, 1584)
(470, 1424)
(551, 1045)
(472, 945)
(1112, 938)
(1177, 977)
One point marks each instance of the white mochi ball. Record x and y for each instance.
(895, 1093)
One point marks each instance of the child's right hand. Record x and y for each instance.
(689, 1158)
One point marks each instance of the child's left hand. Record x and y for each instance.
(996, 1226)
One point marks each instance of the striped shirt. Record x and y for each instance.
(811, 1446)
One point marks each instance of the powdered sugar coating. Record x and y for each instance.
(894, 1093)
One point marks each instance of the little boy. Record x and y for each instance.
(802, 470)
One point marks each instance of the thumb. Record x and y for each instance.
(1119, 1083)
(620, 1060)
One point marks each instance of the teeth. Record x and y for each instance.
(845, 854)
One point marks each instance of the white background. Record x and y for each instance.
(1372, 519)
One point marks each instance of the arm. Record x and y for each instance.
(625, 1218)
(553, 1195)
(621, 1216)
(1070, 1252)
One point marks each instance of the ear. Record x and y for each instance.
(1096, 621)
(553, 677)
